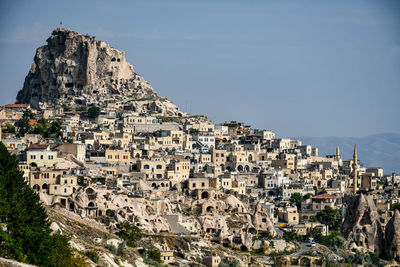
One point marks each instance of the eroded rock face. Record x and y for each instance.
(77, 69)
(361, 225)
(392, 237)
(261, 220)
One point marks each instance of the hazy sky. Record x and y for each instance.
(314, 68)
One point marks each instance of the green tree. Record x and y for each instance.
(23, 123)
(296, 198)
(55, 128)
(307, 196)
(45, 128)
(93, 112)
(25, 233)
(8, 128)
(330, 217)
(41, 127)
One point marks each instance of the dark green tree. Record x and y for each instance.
(23, 123)
(45, 128)
(41, 127)
(296, 198)
(93, 112)
(25, 233)
(307, 196)
(55, 128)
(330, 217)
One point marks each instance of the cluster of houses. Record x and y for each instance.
(152, 157)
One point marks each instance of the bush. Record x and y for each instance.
(112, 248)
(153, 254)
(229, 263)
(121, 249)
(91, 254)
(290, 236)
(130, 233)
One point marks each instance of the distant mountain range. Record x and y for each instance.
(379, 150)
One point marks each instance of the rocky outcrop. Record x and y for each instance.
(361, 225)
(261, 220)
(78, 69)
(392, 237)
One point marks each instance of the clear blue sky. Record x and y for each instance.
(313, 68)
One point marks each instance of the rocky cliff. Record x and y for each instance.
(76, 69)
(361, 225)
(392, 237)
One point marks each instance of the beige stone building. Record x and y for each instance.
(118, 156)
(288, 215)
(152, 169)
(39, 155)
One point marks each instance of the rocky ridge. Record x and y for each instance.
(75, 69)
(362, 226)
(392, 240)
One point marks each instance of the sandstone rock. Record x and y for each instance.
(392, 237)
(261, 220)
(362, 226)
(78, 69)
(55, 227)
(113, 242)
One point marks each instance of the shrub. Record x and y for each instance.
(130, 233)
(112, 248)
(91, 254)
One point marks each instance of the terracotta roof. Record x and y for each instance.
(16, 106)
(2, 120)
(38, 146)
(32, 122)
(322, 196)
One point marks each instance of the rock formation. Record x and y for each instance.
(392, 237)
(77, 69)
(361, 225)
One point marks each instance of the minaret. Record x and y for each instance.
(355, 167)
(337, 153)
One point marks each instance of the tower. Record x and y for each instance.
(355, 167)
(337, 153)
